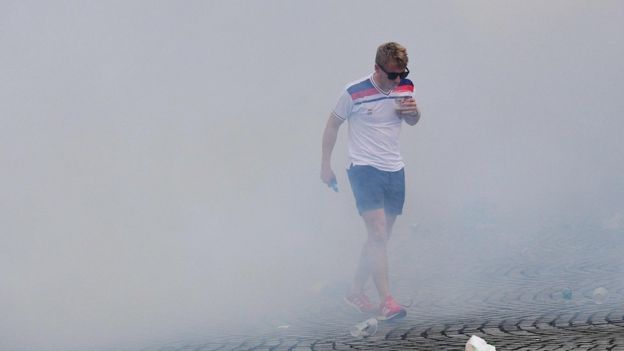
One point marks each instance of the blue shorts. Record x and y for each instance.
(374, 189)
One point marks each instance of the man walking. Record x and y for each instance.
(375, 108)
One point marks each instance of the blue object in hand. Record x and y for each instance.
(333, 184)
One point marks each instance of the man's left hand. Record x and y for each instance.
(408, 107)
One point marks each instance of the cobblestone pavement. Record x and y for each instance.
(539, 297)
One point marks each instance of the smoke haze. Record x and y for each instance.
(160, 160)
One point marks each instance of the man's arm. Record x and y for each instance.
(409, 111)
(329, 141)
(412, 118)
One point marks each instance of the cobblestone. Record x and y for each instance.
(521, 302)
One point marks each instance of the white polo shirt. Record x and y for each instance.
(374, 125)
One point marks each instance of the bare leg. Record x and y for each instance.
(371, 254)
(362, 273)
(374, 258)
(390, 219)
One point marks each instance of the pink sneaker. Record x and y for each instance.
(360, 302)
(390, 309)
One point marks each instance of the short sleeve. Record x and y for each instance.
(344, 107)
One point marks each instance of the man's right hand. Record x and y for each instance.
(328, 177)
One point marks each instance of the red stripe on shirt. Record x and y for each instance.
(364, 93)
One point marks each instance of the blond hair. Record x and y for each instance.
(391, 51)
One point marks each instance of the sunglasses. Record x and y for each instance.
(394, 75)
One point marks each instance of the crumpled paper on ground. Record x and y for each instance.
(475, 343)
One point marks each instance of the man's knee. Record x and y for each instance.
(376, 225)
(377, 231)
